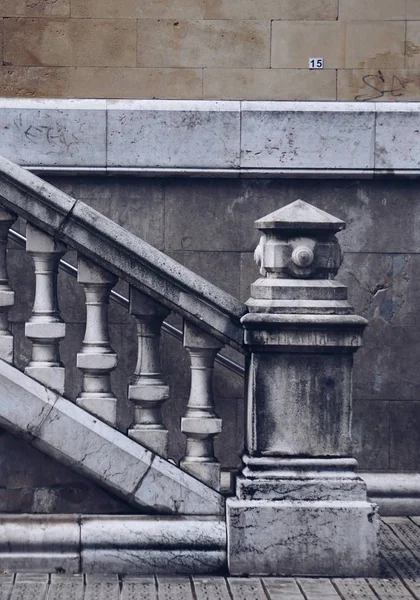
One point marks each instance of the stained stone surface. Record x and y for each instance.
(226, 136)
(53, 132)
(143, 133)
(294, 537)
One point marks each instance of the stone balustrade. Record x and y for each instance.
(148, 388)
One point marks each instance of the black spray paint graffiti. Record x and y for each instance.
(379, 86)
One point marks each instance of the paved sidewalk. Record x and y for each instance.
(399, 580)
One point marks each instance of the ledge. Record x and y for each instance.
(397, 494)
(135, 545)
(212, 138)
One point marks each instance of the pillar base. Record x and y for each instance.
(298, 538)
(302, 516)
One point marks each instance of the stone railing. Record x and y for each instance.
(300, 508)
(158, 285)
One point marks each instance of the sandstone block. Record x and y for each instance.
(103, 9)
(314, 10)
(413, 9)
(374, 10)
(35, 8)
(388, 85)
(67, 42)
(413, 44)
(188, 43)
(349, 45)
(293, 43)
(141, 9)
(35, 82)
(169, 9)
(375, 45)
(119, 82)
(269, 84)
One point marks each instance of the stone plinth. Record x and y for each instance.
(300, 509)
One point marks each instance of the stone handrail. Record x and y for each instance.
(71, 221)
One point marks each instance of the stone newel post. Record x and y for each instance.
(300, 509)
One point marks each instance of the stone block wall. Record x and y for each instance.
(211, 49)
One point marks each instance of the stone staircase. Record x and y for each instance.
(299, 483)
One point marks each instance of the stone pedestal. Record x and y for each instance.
(300, 509)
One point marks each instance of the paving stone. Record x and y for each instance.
(64, 587)
(6, 583)
(407, 531)
(30, 586)
(354, 589)
(400, 558)
(139, 588)
(214, 588)
(174, 588)
(318, 589)
(102, 587)
(282, 589)
(246, 589)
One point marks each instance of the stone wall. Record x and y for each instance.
(212, 49)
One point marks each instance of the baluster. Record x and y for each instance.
(97, 358)
(45, 328)
(201, 423)
(148, 390)
(7, 295)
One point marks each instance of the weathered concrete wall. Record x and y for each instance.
(207, 224)
(223, 49)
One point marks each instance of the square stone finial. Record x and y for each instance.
(301, 216)
(299, 241)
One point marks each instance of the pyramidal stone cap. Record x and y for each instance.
(300, 215)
